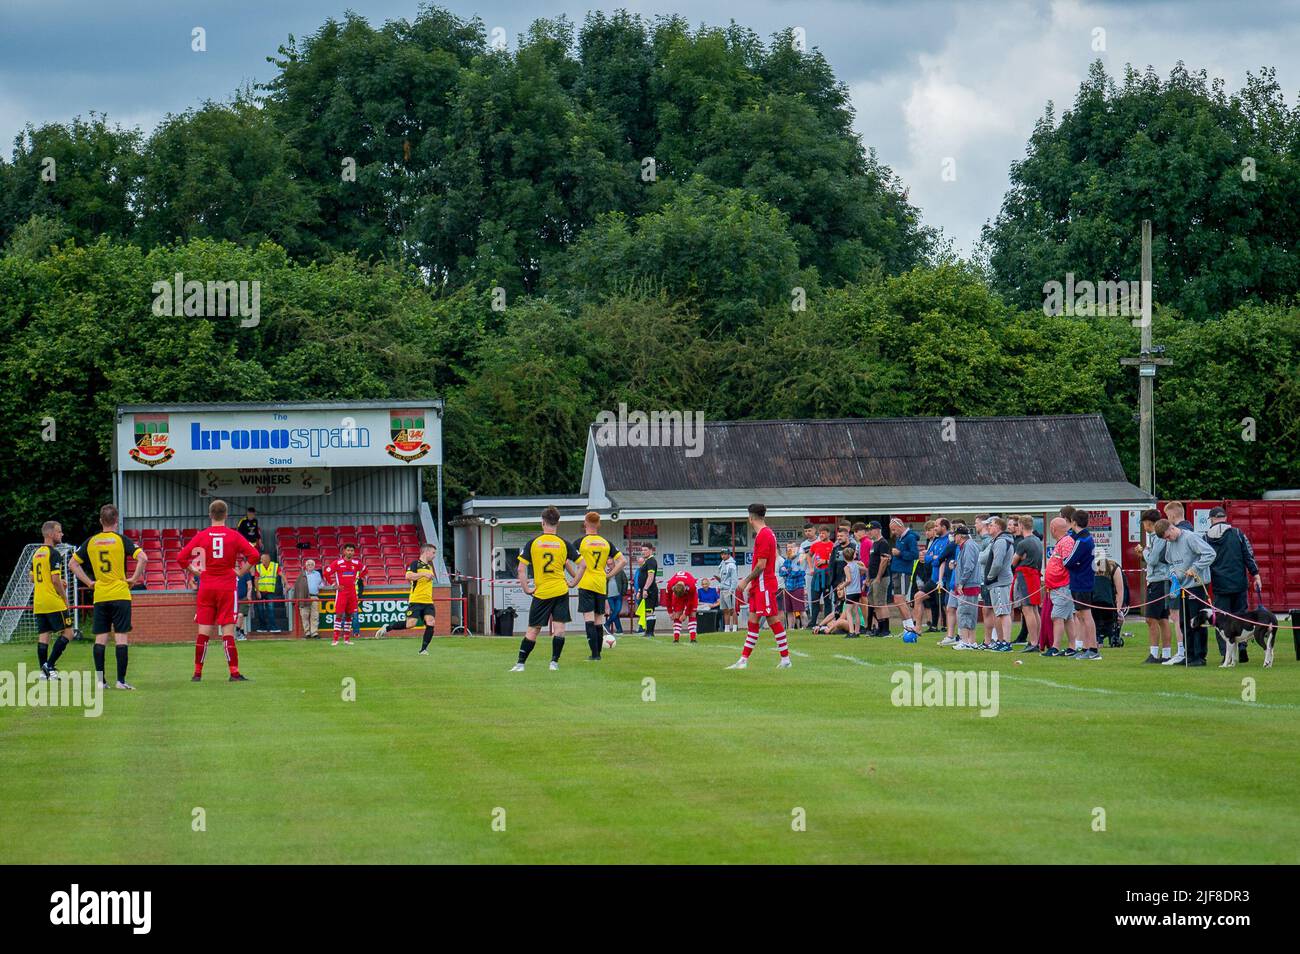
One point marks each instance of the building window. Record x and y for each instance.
(728, 533)
(697, 532)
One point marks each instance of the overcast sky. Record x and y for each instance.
(929, 80)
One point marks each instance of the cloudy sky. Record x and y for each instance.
(931, 81)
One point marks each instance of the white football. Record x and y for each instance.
(610, 641)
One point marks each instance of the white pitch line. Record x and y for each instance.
(1099, 690)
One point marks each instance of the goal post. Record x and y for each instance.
(17, 623)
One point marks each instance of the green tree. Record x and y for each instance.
(1217, 174)
(84, 173)
(725, 251)
(222, 172)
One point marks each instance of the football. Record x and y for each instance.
(610, 641)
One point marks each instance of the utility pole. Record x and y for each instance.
(1148, 359)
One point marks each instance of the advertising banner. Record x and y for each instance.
(265, 482)
(283, 438)
(379, 606)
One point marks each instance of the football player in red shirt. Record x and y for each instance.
(683, 601)
(212, 552)
(344, 574)
(760, 588)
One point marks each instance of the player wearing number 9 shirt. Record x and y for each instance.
(550, 558)
(216, 550)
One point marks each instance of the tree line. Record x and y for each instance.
(636, 211)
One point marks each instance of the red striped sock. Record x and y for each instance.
(751, 639)
(778, 630)
(677, 630)
(691, 628)
(232, 654)
(200, 651)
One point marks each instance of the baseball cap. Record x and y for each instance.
(874, 525)
(961, 529)
(1218, 512)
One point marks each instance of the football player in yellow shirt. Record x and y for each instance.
(105, 554)
(551, 559)
(50, 599)
(419, 605)
(601, 560)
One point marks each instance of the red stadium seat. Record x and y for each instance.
(327, 530)
(369, 529)
(408, 528)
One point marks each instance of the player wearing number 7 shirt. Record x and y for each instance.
(215, 551)
(760, 588)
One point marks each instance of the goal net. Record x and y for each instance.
(18, 624)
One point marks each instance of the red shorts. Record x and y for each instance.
(762, 602)
(345, 602)
(1028, 588)
(214, 607)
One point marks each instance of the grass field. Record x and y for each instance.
(712, 770)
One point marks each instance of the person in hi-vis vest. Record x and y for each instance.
(266, 579)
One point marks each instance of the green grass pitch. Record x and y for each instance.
(580, 767)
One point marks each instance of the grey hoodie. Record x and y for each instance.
(1188, 552)
(999, 561)
(968, 566)
(1154, 557)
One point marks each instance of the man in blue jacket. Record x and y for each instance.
(903, 556)
(1081, 582)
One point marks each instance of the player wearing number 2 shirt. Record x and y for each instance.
(216, 550)
(760, 586)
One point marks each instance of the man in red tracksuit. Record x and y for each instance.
(683, 601)
(215, 550)
(344, 574)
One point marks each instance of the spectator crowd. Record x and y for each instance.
(857, 578)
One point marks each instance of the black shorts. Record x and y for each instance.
(652, 598)
(1080, 598)
(552, 609)
(1157, 600)
(985, 599)
(114, 615)
(926, 587)
(421, 610)
(589, 601)
(55, 622)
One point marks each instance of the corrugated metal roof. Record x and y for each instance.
(958, 498)
(884, 452)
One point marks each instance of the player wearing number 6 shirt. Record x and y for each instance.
(215, 551)
(344, 574)
(760, 588)
(682, 603)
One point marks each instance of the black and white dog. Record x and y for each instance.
(1262, 626)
